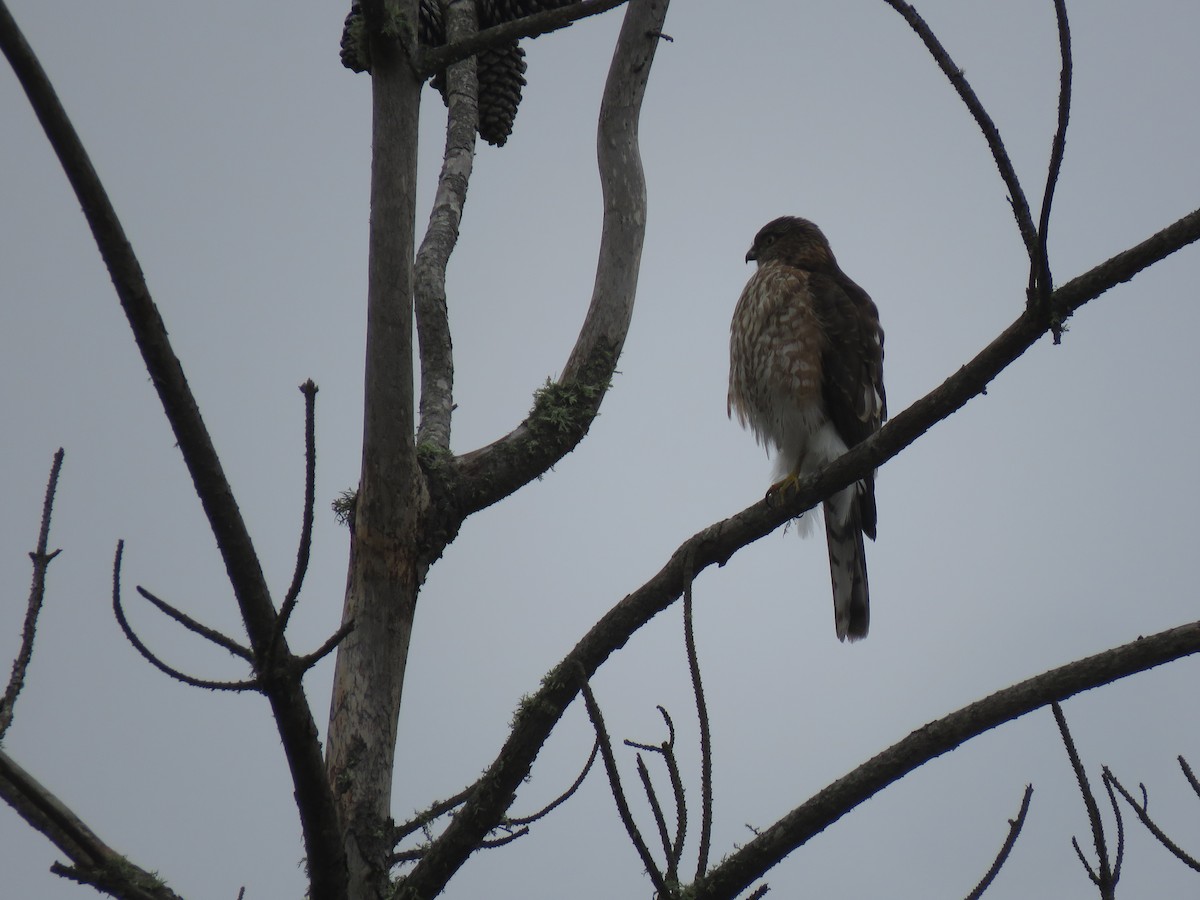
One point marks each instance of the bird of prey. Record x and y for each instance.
(806, 374)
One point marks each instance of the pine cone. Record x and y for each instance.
(501, 70)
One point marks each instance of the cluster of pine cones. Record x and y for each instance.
(500, 69)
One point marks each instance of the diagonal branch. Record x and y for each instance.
(1143, 813)
(95, 863)
(429, 269)
(293, 717)
(563, 412)
(457, 48)
(717, 543)
(1103, 878)
(1014, 830)
(990, 132)
(33, 605)
(614, 780)
(195, 627)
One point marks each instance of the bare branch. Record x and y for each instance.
(119, 612)
(95, 863)
(990, 132)
(422, 819)
(309, 389)
(1187, 773)
(1041, 282)
(561, 798)
(759, 892)
(33, 605)
(195, 627)
(706, 796)
(432, 60)
(614, 780)
(1014, 829)
(308, 660)
(1119, 856)
(429, 270)
(1143, 813)
(293, 717)
(660, 819)
(564, 411)
(1103, 878)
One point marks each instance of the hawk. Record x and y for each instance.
(806, 374)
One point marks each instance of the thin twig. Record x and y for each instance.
(33, 605)
(706, 798)
(1143, 813)
(1119, 858)
(209, 634)
(1187, 773)
(441, 237)
(1014, 830)
(759, 892)
(614, 781)
(433, 812)
(433, 59)
(150, 657)
(303, 551)
(308, 660)
(990, 132)
(1103, 877)
(660, 819)
(561, 798)
(1041, 283)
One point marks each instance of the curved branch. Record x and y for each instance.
(990, 132)
(148, 654)
(1040, 280)
(293, 717)
(1143, 813)
(564, 411)
(432, 60)
(429, 269)
(716, 544)
(309, 389)
(1014, 830)
(33, 605)
(95, 863)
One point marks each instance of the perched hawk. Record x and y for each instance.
(806, 374)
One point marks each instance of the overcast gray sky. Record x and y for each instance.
(1048, 520)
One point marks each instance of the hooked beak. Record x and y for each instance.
(751, 255)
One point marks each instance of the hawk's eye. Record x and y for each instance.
(768, 240)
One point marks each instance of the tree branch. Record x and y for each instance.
(95, 863)
(1103, 877)
(429, 271)
(148, 654)
(1014, 830)
(309, 389)
(433, 59)
(1041, 283)
(297, 730)
(717, 543)
(1143, 813)
(990, 132)
(33, 605)
(209, 634)
(564, 411)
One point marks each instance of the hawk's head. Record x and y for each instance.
(792, 241)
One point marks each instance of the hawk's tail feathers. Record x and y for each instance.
(847, 567)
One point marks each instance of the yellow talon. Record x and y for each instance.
(783, 486)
